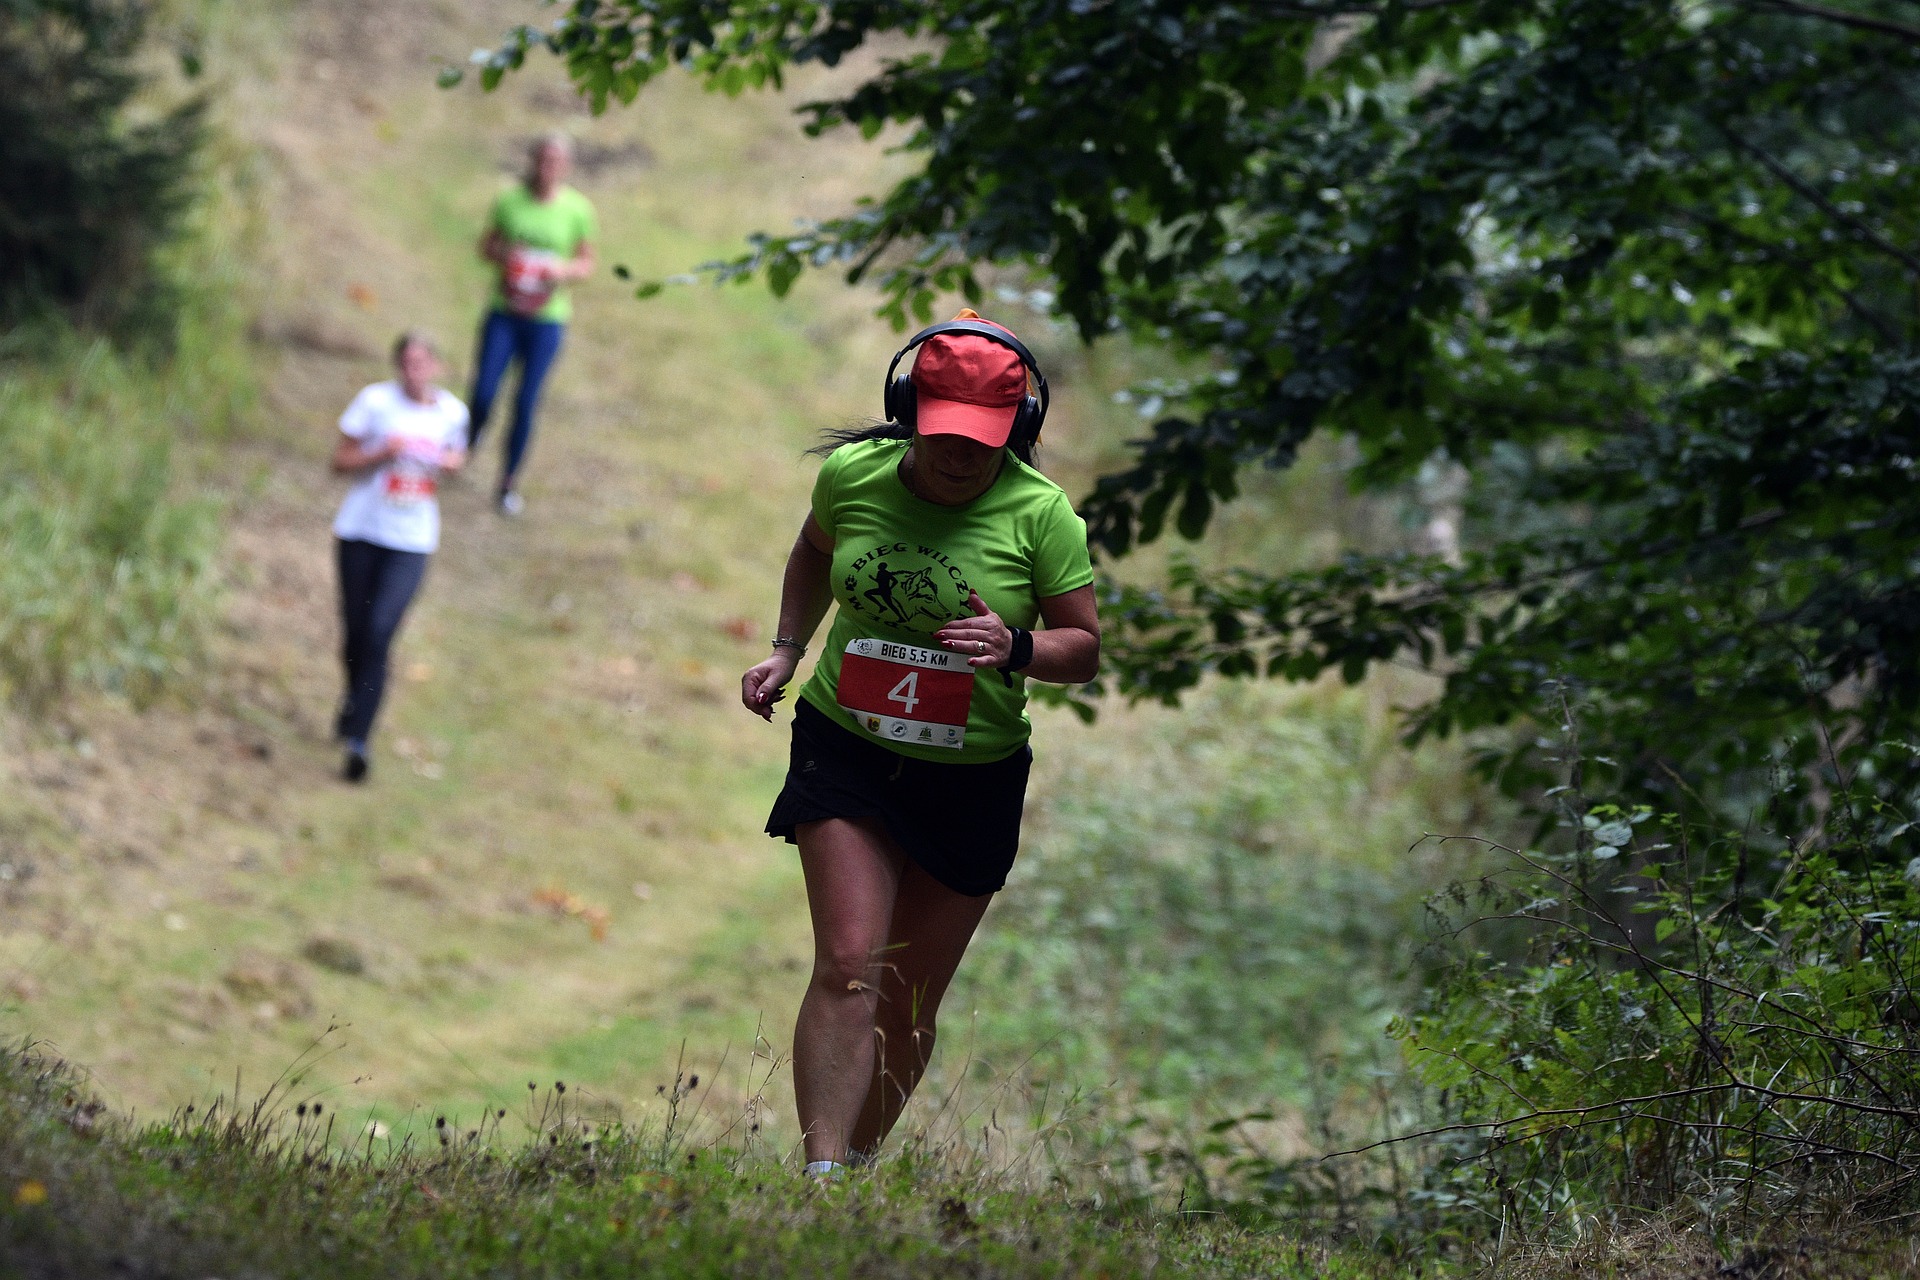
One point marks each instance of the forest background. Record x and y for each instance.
(1450, 302)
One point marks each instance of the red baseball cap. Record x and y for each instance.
(967, 385)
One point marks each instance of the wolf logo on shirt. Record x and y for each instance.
(919, 597)
(905, 597)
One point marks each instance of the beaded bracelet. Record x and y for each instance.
(788, 642)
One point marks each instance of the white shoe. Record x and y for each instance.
(511, 503)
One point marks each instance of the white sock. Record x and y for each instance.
(825, 1169)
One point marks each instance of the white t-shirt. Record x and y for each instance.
(394, 505)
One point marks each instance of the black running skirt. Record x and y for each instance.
(960, 823)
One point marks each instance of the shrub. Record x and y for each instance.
(1716, 1021)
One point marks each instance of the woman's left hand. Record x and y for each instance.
(983, 638)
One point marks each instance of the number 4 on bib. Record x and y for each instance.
(902, 693)
(906, 693)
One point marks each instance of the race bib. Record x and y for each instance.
(902, 693)
(529, 279)
(413, 477)
(408, 488)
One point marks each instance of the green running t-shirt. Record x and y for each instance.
(902, 569)
(551, 229)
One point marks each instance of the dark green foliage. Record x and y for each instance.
(90, 187)
(1649, 269)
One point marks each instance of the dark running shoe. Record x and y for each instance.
(355, 768)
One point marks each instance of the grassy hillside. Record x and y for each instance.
(557, 872)
(551, 921)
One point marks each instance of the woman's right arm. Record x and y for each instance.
(805, 593)
(493, 245)
(351, 456)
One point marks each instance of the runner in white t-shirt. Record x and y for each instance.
(399, 436)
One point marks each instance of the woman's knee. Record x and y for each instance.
(848, 965)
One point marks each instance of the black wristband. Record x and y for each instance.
(1020, 652)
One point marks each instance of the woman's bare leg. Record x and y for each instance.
(853, 872)
(926, 937)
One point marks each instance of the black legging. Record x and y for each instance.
(376, 586)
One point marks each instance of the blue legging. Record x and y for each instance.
(376, 586)
(505, 338)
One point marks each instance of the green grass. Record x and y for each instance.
(106, 565)
(271, 1188)
(284, 1184)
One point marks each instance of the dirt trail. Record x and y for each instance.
(557, 871)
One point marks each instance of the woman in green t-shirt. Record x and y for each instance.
(539, 237)
(943, 548)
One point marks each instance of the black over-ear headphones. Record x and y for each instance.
(1028, 418)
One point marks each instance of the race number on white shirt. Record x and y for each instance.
(394, 506)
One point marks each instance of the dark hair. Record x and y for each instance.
(876, 430)
(414, 338)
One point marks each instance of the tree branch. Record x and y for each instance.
(1878, 323)
(1812, 195)
(1882, 26)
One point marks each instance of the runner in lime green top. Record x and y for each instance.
(943, 548)
(904, 567)
(539, 238)
(538, 241)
